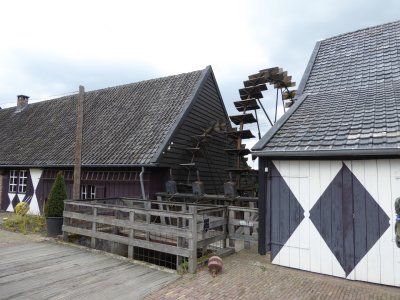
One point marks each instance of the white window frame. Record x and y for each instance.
(92, 190)
(13, 182)
(83, 192)
(88, 192)
(22, 181)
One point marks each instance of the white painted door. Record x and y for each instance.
(336, 218)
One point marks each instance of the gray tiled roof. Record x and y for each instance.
(123, 125)
(349, 100)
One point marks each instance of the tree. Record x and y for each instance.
(54, 206)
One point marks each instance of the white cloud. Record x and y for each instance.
(50, 47)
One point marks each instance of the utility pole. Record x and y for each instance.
(78, 143)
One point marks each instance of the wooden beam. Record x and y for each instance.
(78, 144)
(161, 229)
(130, 242)
(262, 209)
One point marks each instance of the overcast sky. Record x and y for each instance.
(49, 48)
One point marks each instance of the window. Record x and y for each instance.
(22, 181)
(88, 192)
(18, 181)
(12, 187)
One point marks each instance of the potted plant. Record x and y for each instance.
(54, 207)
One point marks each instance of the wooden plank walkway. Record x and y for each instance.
(48, 270)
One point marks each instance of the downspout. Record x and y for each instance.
(142, 184)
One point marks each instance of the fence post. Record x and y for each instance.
(148, 217)
(193, 241)
(246, 229)
(65, 223)
(231, 227)
(131, 234)
(225, 217)
(93, 239)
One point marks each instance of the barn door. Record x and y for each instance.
(348, 219)
(336, 217)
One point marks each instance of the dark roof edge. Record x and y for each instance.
(271, 132)
(329, 153)
(308, 70)
(83, 166)
(195, 92)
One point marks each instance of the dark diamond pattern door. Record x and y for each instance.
(287, 212)
(349, 219)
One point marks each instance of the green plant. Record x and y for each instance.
(24, 224)
(183, 267)
(22, 208)
(54, 206)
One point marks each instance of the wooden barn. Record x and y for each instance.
(330, 168)
(175, 122)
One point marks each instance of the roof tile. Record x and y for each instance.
(353, 99)
(123, 125)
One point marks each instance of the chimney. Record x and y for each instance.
(22, 102)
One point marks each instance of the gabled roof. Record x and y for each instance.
(349, 99)
(126, 125)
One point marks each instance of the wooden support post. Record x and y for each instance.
(193, 241)
(184, 210)
(247, 229)
(148, 217)
(231, 228)
(93, 239)
(78, 144)
(225, 217)
(179, 241)
(254, 217)
(114, 247)
(65, 223)
(162, 218)
(131, 234)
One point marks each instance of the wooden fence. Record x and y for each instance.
(242, 213)
(242, 225)
(169, 227)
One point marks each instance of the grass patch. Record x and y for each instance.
(24, 224)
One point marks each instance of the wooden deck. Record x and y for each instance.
(44, 270)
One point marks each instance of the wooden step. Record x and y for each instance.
(243, 118)
(256, 79)
(240, 152)
(244, 134)
(252, 91)
(248, 104)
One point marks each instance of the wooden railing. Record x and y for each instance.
(168, 227)
(242, 225)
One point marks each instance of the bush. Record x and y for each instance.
(22, 208)
(54, 206)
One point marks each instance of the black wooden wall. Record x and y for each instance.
(212, 161)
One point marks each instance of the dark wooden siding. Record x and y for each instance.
(285, 213)
(212, 161)
(118, 183)
(3, 190)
